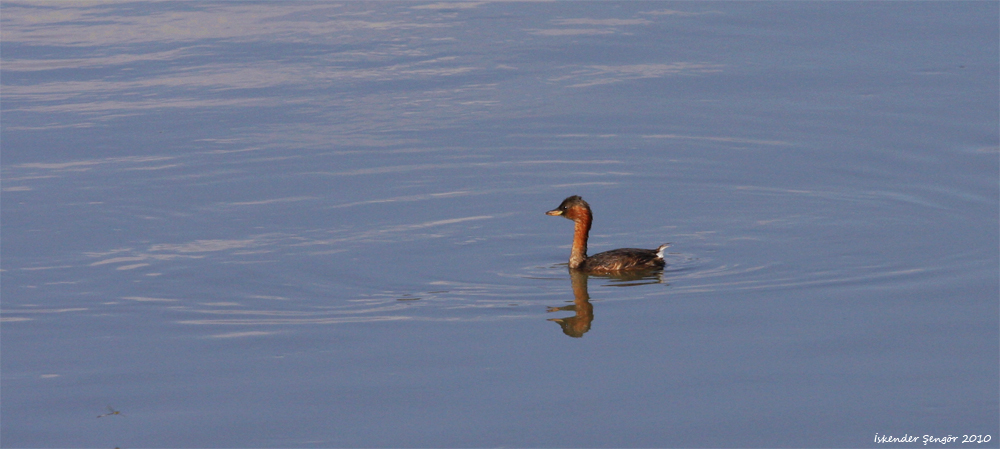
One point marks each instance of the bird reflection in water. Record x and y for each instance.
(577, 325)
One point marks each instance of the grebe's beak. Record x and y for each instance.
(554, 212)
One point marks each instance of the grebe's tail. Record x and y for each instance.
(661, 249)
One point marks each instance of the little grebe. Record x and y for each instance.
(614, 261)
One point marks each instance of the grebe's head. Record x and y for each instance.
(573, 208)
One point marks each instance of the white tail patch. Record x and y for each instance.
(661, 249)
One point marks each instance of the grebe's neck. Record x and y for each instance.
(581, 231)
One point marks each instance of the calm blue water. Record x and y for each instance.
(305, 224)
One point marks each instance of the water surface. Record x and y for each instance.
(314, 224)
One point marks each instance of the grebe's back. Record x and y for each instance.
(625, 259)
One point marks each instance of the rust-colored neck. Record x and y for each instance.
(581, 231)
